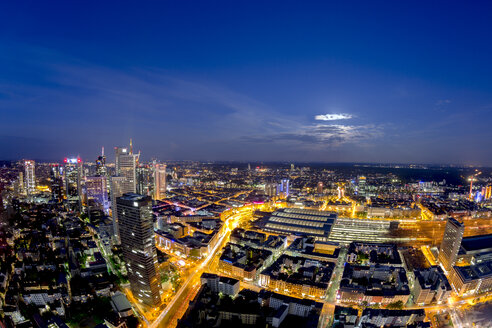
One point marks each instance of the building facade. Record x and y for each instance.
(30, 184)
(138, 244)
(159, 181)
(451, 242)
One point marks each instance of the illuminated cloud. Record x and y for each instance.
(327, 135)
(333, 117)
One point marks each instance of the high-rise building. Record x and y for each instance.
(319, 188)
(126, 166)
(138, 245)
(56, 182)
(361, 185)
(119, 187)
(30, 185)
(451, 242)
(488, 192)
(124, 181)
(283, 187)
(72, 181)
(271, 189)
(20, 184)
(101, 164)
(97, 194)
(145, 179)
(159, 181)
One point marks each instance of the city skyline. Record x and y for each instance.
(367, 83)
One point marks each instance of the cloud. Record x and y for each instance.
(323, 135)
(443, 102)
(333, 117)
(155, 108)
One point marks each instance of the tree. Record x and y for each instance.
(398, 305)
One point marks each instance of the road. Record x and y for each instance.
(423, 231)
(169, 316)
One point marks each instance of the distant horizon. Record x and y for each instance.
(430, 165)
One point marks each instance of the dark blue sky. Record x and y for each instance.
(355, 81)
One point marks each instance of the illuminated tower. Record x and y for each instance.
(72, 181)
(138, 244)
(283, 187)
(124, 181)
(126, 166)
(56, 182)
(320, 188)
(451, 242)
(20, 180)
(118, 189)
(101, 164)
(361, 185)
(488, 192)
(97, 194)
(30, 177)
(159, 181)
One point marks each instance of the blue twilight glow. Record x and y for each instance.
(365, 81)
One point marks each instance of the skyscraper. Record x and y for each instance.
(30, 177)
(101, 169)
(126, 166)
(138, 245)
(56, 183)
(72, 180)
(97, 194)
(20, 184)
(159, 181)
(271, 189)
(124, 181)
(451, 242)
(283, 187)
(119, 187)
(145, 179)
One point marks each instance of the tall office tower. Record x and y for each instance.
(292, 167)
(145, 180)
(271, 189)
(30, 177)
(319, 188)
(72, 180)
(124, 181)
(55, 171)
(361, 185)
(119, 187)
(126, 166)
(20, 180)
(56, 183)
(138, 245)
(101, 164)
(451, 242)
(249, 167)
(283, 187)
(159, 181)
(97, 194)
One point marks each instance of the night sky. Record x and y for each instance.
(369, 81)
